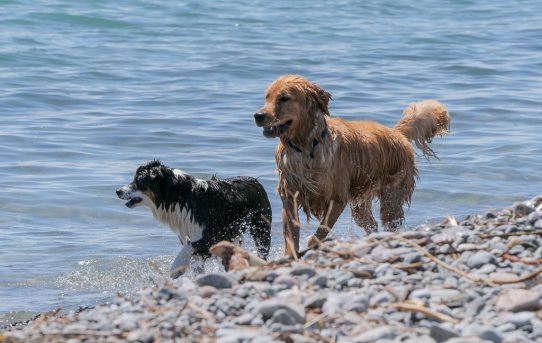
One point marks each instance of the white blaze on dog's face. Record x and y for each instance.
(134, 196)
(144, 188)
(161, 189)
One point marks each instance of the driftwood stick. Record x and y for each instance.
(415, 306)
(442, 263)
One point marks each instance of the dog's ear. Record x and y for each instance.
(318, 97)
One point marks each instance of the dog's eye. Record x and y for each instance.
(284, 98)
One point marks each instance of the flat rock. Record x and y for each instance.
(269, 307)
(480, 259)
(216, 280)
(517, 300)
(442, 333)
(373, 335)
(521, 318)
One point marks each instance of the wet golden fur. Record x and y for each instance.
(326, 163)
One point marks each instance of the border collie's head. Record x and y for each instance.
(150, 185)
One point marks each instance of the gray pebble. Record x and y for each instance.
(282, 317)
(490, 334)
(373, 335)
(467, 247)
(358, 304)
(420, 294)
(487, 269)
(168, 293)
(285, 280)
(521, 318)
(315, 301)
(517, 300)
(480, 258)
(442, 333)
(516, 250)
(216, 280)
(308, 271)
(269, 307)
(244, 319)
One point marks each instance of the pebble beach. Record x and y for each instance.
(478, 279)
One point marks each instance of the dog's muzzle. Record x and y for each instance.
(126, 193)
(270, 131)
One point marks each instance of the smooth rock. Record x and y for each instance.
(286, 280)
(358, 304)
(315, 301)
(269, 307)
(373, 335)
(517, 300)
(481, 258)
(521, 318)
(244, 319)
(412, 257)
(283, 317)
(320, 281)
(308, 271)
(442, 333)
(490, 334)
(216, 280)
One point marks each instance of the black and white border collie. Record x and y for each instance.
(201, 212)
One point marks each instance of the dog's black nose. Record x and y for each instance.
(259, 118)
(119, 192)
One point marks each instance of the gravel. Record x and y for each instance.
(474, 280)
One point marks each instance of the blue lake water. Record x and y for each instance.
(90, 90)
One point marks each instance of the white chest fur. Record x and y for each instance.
(178, 220)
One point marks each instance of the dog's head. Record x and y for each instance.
(290, 102)
(151, 182)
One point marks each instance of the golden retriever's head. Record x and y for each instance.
(291, 102)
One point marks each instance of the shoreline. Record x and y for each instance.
(476, 280)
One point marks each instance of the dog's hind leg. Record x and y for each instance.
(260, 231)
(392, 199)
(182, 261)
(363, 215)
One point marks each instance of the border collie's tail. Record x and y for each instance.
(422, 121)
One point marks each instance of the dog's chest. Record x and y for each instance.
(305, 173)
(181, 222)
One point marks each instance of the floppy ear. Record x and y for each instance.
(318, 97)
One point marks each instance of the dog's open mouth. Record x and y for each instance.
(133, 201)
(277, 130)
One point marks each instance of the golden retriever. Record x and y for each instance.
(326, 163)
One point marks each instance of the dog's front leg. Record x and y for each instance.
(334, 210)
(290, 225)
(182, 261)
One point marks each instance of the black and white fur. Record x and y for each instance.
(201, 212)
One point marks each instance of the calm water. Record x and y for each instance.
(90, 90)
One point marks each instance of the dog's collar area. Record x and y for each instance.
(315, 142)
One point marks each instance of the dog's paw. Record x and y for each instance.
(175, 273)
(313, 242)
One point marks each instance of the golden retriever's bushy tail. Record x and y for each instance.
(422, 121)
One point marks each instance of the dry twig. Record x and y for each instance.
(442, 263)
(416, 306)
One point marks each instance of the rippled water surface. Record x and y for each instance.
(90, 90)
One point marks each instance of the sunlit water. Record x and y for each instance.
(90, 90)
